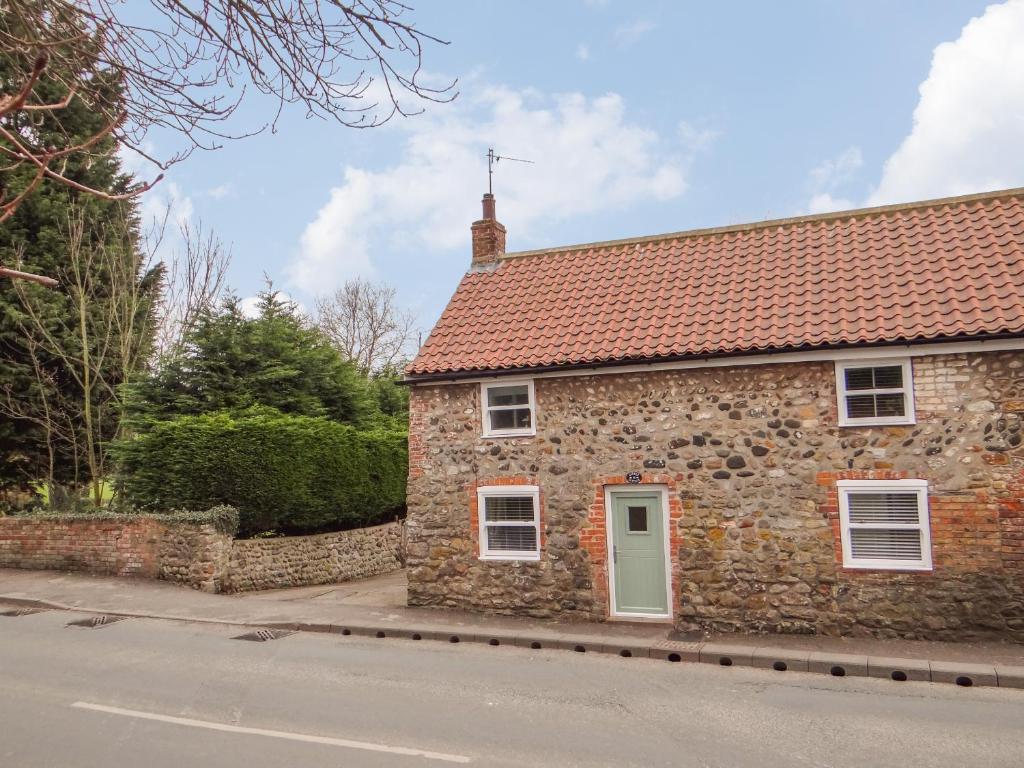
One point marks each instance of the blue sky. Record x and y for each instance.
(641, 118)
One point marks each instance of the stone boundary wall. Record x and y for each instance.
(326, 558)
(196, 554)
(186, 553)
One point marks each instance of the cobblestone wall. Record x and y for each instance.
(326, 558)
(194, 555)
(750, 456)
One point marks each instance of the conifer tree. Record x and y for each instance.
(37, 237)
(276, 360)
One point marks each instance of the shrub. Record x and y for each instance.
(224, 519)
(295, 474)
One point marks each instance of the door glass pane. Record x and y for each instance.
(637, 520)
(512, 395)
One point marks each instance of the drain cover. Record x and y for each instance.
(22, 611)
(263, 635)
(95, 622)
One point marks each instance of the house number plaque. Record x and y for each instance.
(633, 478)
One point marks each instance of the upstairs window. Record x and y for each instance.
(884, 524)
(880, 392)
(509, 522)
(508, 409)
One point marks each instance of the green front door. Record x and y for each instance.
(638, 553)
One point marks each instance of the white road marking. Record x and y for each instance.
(212, 726)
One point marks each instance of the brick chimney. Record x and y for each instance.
(488, 235)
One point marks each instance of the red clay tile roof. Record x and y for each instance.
(930, 270)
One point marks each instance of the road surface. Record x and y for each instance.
(158, 694)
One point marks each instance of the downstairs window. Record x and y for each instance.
(884, 524)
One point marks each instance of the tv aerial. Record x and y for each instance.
(493, 160)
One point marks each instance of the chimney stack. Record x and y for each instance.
(488, 235)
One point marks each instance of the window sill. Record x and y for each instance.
(888, 568)
(877, 423)
(510, 559)
(530, 433)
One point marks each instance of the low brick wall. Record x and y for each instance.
(196, 554)
(186, 553)
(326, 558)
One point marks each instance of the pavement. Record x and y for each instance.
(165, 694)
(376, 608)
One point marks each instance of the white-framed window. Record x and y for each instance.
(875, 392)
(509, 408)
(509, 522)
(884, 524)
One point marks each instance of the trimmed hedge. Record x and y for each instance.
(293, 474)
(223, 518)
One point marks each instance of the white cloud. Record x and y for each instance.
(164, 209)
(582, 52)
(969, 121)
(824, 202)
(837, 170)
(825, 179)
(630, 34)
(694, 138)
(588, 159)
(250, 305)
(220, 191)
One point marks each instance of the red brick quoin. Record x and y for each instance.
(594, 535)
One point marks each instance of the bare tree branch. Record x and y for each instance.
(192, 285)
(16, 274)
(363, 322)
(91, 352)
(187, 68)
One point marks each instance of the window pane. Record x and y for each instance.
(512, 538)
(899, 508)
(889, 405)
(506, 508)
(859, 378)
(637, 522)
(869, 544)
(515, 395)
(511, 418)
(860, 406)
(889, 377)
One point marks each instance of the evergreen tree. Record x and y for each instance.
(233, 363)
(38, 237)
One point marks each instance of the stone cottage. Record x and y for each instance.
(808, 425)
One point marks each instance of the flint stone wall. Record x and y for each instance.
(750, 455)
(325, 558)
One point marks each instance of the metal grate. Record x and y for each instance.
(95, 622)
(263, 635)
(22, 611)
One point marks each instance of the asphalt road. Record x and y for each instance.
(161, 695)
